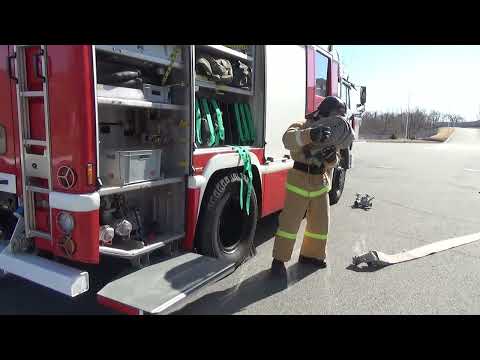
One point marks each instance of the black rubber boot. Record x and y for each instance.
(312, 261)
(278, 267)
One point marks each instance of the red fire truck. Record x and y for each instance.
(123, 150)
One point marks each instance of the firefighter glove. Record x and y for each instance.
(329, 154)
(320, 133)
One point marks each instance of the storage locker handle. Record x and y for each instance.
(9, 66)
(35, 65)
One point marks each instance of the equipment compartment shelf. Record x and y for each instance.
(160, 241)
(223, 50)
(138, 103)
(138, 186)
(202, 83)
(137, 56)
(120, 96)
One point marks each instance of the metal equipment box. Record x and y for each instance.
(123, 167)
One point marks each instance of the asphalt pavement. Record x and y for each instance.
(424, 192)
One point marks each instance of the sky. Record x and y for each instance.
(434, 77)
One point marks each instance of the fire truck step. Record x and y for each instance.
(34, 142)
(37, 189)
(26, 46)
(40, 234)
(53, 275)
(161, 287)
(32, 93)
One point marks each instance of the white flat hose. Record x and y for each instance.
(377, 258)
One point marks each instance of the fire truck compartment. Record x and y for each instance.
(156, 216)
(161, 287)
(144, 146)
(53, 275)
(232, 99)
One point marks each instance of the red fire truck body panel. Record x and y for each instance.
(86, 230)
(201, 160)
(7, 160)
(72, 113)
(273, 194)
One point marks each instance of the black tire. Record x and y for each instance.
(227, 232)
(7, 225)
(338, 183)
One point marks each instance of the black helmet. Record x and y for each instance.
(327, 106)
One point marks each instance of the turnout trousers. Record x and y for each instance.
(305, 194)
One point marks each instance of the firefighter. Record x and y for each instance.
(308, 184)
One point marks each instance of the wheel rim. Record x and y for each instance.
(232, 225)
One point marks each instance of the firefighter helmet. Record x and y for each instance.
(331, 105)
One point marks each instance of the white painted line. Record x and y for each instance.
(450, 137)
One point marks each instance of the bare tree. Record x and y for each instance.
(453, 119)
(434, 117)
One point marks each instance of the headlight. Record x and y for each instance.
(66, 222)
(123, 228)
(106, 234)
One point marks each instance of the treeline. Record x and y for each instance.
(415, 124)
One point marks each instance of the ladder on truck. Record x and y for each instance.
(33, 165)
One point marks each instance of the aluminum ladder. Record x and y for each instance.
(33, 165)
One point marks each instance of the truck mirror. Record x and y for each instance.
(363, 95)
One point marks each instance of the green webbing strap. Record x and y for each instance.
(198, 122)
(251, 126)
(247, 168)
(221, 129)
(173, 57)
(246, 132)
(239, 124)
(206, 110)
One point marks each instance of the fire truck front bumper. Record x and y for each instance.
(53, 275)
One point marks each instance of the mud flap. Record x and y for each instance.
(157, 288)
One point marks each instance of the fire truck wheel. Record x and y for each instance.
(8, 224)
(338, 183)
(226, 231)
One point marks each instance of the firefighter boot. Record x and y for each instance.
(278, 268)
(312, 261)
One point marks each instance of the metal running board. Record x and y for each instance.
(53, 275)
(157, 288)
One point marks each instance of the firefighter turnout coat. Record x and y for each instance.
(306, 194)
